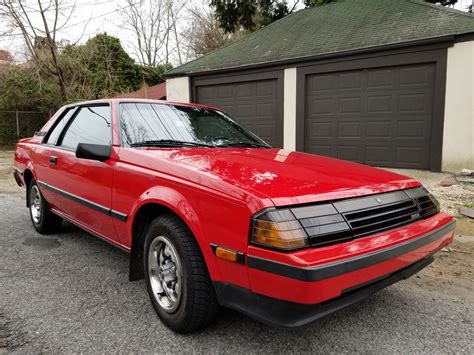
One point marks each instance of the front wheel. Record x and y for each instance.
(44, 221)
(176, 276)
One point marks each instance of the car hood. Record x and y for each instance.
(287, 177)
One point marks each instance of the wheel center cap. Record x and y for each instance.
(168, 271)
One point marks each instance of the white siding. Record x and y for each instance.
(458, 136)
(178, 89)
(289, 110)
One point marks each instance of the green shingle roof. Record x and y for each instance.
(344, 25)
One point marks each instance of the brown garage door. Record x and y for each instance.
(252, 103)
(379, 117)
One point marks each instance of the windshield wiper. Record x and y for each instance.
(244, 144)
(168, 143)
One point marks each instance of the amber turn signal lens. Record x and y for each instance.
(279, 229)
(226, 254)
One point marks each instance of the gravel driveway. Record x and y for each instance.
(70, 293)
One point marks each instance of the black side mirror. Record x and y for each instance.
(93, 151)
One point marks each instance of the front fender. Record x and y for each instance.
(178, 204)
(173, 200)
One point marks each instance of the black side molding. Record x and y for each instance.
(92, 205)
(284, 314)
(326, 271)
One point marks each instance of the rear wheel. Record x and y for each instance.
(44, 221)
(176, 275)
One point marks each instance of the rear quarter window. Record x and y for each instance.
(58, 127)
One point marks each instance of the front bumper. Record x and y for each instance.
(293, 289)
(315, 275)
(286, 314)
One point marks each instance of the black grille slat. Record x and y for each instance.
(380, 212)
(389, 222)
(381, 229)
(374, 221)
(398, 210)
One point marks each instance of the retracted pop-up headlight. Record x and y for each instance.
(278, 229)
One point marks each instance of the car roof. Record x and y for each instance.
(132, 100)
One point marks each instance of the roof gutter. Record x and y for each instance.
(438, 40)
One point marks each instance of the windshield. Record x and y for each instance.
(147, 124)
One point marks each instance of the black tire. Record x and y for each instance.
(198, 303)
(46, 222)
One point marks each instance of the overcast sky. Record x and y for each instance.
(91, 17)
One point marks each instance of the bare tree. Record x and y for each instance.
(145, 20)
(205, 33)
(39, 22)
(155, 26)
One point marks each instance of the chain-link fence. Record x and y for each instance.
(19, 124)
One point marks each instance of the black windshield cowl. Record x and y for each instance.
(169, 143)
(243, 144)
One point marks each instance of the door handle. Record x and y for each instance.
(53, 160)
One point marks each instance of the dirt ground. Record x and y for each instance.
(454, 269)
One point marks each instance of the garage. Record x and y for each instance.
(256, 104)
(380, 117)
(382, 83)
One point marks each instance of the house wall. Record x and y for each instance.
(178, 89)
(458, 140)
(289, 109)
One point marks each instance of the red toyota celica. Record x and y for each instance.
(212, 215)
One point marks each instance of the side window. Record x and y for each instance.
(91, 125)
(58, 128)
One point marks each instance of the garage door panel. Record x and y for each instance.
(416, 76)
(378, 155)
(412, 129)
(325, 83)
(349, 129)
(327, 150)
(409, 155)
(350, 105)
(322, 106)
(321, 130)
(246, 90)
(265, 89)
(380, 104)
(378, 130)
(380, 78)
(415, 102)
(350, 80)
(377, 116)
(349, 152)
(255, 104)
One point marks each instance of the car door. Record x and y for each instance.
(82, 188)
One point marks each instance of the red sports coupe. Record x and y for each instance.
(211, 215)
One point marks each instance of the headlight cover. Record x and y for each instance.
(278, 229)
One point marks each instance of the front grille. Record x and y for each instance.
(373, 220)
(344, 220)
